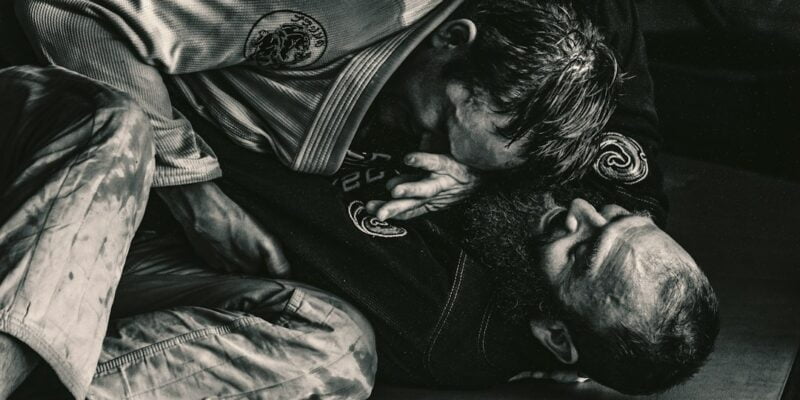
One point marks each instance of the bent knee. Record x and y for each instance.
(120, 119)
(354, 341)
(70, 110)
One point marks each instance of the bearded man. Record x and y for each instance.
(603, 289)
(488, 86)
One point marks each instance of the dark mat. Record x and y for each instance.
(744, 231)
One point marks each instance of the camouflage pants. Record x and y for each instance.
(75, 165)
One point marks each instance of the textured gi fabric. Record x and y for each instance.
(75, 168)
(409, 285)
(292, 77)
(635, 154)
(185, 332)
(76, 159)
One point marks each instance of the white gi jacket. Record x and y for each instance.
(294, 76)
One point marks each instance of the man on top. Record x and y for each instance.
(300, 86)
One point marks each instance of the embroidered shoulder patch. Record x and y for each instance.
(370, 225)
(621, 159)
(286, 39)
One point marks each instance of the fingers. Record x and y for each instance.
(427, 187)
(440, 164)
(561, 376)
(391, 209)
(413, 199)
(565, 376)
(416, 212)
(374, 205)
(448, 182)
(392, 183)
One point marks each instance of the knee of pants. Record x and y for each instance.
(122, 123)
(364, 359)
(361, 362)
(64, 110)
(334, 329)
(121, 134)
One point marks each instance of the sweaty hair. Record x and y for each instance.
(646, 354)
(548, 68)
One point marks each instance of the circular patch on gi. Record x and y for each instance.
(621, 159)
(286, 39)
(370, 225)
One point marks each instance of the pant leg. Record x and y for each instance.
(188, 333)
(76, 162)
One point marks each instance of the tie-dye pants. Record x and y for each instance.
(76, 163)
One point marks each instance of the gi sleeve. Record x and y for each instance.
(626, 168)
(132, 44)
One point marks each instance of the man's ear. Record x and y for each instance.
(454, 33)
(554, 336)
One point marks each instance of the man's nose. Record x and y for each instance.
(581, 213)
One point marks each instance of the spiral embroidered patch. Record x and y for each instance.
(621, 159)
(286, 39)
(370, 225)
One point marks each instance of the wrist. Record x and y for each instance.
(187, 202)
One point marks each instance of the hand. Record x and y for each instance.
(560, 376)
(448, 182)
(223, 233)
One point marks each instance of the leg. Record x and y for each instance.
(195, 333)
(17, 362)
(76, 162)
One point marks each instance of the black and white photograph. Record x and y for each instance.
(400, 199)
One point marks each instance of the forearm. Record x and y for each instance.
(188, 203)
(92, 46)
(226, 236)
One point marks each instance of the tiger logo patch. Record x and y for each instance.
(286, 39)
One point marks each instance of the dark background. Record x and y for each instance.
(727, 80)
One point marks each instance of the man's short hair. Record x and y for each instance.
(650, 354)
(642, 353)
(547, 67)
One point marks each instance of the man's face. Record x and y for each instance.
(471, 127)
(448, 116)
(594, 259)
(551, 255)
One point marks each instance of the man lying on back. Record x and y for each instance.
(490, 85)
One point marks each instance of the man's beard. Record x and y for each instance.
(500, 229)
(499, 232)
